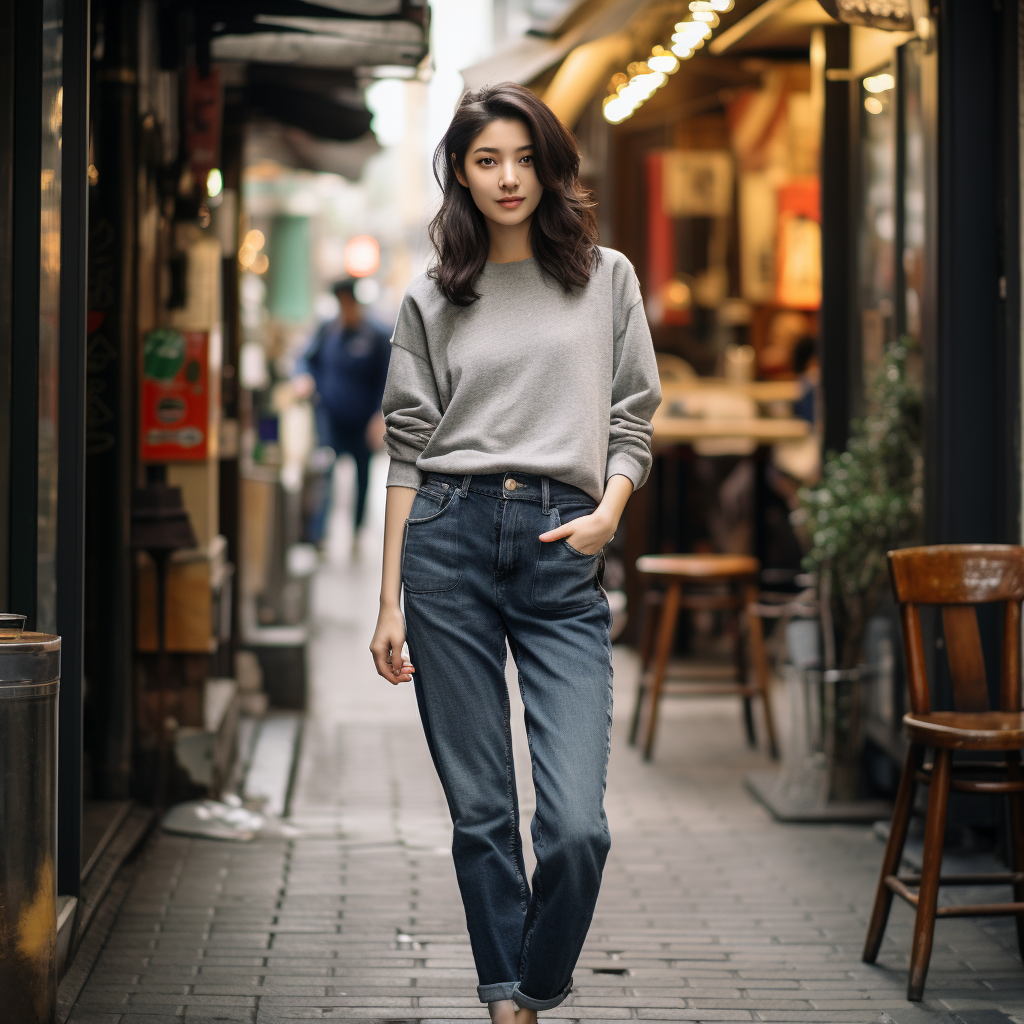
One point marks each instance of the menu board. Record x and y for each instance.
(175, 415)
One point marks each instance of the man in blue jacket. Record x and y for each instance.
(346, 364)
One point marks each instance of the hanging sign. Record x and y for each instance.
(175, 414)
(204, 108)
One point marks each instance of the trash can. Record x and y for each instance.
(29, 682)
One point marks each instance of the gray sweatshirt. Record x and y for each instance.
(526, 378)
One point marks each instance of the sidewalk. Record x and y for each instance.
(709, 910)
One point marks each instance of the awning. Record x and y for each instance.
(327, 34)
(528, 58)
(300, 64)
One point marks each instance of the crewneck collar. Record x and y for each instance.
(507, 267)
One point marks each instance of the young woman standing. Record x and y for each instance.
(518, 406)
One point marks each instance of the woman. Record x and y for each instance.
(517, 408)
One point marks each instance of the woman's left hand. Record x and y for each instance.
(589, 533)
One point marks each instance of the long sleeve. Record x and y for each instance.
(636, 394)
(381, 361)
(411, 406)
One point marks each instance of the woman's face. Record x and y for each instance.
(500, 174)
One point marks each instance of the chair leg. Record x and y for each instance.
(1016, 801)
(928, 893)
(755, 631)
(893, 852)
(650, 619)
(652, 599)
(666, 634)
(742, 677)
(634, 725)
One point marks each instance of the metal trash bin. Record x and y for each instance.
(29, 683)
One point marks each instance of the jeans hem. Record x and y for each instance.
(529, 1003)
(496, 992)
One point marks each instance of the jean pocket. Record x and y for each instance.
(566, 579)
(430, 548)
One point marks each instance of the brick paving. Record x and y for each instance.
(710, 911)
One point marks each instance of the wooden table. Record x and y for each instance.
(763, 430)
(759, 390)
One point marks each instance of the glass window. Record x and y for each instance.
(49, 314)
(877, 234)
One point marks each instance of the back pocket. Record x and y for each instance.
(566, 579)
(430, 548)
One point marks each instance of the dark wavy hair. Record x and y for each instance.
(563, 232)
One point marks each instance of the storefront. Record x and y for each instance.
(799, 170)
(122, 128)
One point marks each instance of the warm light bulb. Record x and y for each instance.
(708, 18)
(663, 62)
(214, 183)
(254, 239)
(722, 6)
(879, 83)
(873, 105)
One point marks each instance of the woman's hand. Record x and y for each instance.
(589, 533)
(386, 646)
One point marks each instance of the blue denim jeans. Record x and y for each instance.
(474, 574)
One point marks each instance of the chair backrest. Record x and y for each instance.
(958, 577)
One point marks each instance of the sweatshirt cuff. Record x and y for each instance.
(404, 474)
(622, 464)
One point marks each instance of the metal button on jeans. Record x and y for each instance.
(511, 484)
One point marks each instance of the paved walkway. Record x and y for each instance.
(709, 911)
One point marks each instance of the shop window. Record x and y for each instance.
(877, 230)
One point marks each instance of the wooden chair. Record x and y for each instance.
(700, 582)
(955, 576)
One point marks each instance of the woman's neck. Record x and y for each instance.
(509, 243)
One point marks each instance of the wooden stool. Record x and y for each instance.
(737, 575)
(955, 576)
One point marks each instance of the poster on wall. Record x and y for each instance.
(798, 273)
(175, 415)
(697, 183)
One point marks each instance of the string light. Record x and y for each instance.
(642, 79)
(880, 83)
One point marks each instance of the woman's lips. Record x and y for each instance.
(512, 202)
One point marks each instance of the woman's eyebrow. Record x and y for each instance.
(494, 149)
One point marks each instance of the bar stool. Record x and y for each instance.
(701, 583)
(955, 577)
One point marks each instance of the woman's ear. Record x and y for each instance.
(458, 174)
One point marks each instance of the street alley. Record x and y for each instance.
(709, 910)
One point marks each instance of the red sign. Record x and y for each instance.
(175, 416)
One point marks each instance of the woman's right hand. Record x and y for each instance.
(386, 646)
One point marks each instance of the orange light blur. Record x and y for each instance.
(362, 256)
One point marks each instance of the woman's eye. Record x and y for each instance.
(487, 161)
(527, 159)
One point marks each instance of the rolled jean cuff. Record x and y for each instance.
(495, 993)
(529, 1003)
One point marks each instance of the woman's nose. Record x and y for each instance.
(509, 177)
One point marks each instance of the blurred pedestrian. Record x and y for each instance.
(346, 365)
(518, 409)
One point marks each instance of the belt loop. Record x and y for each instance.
(464, 489)
(545, 494)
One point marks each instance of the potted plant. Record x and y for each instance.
(867, 502)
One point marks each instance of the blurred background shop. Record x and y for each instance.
(799, 185)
